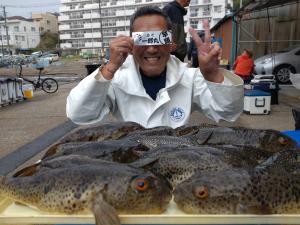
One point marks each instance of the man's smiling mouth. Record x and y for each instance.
(152, 58)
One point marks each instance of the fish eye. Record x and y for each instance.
(283, 140)
(201, 192)
(141, 184)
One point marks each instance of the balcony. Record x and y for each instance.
(92, 35)
(93, 44)
(206, 13)
(91, 25)
(124, 12)
(64, 27)
(91, 6)
(72, 1)
(76, 26)
(90, 16)
(77, 35)
(122, 23)
(65, 45)
(63, 18)
(64, 36)
(126, 33)
(64, 9)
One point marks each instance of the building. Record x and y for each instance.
(80, 22)
(48, 22)
(22, 34)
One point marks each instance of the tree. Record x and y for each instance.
(48, 41)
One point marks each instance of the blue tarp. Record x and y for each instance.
(294, 134)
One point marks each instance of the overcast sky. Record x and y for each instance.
(26, 7)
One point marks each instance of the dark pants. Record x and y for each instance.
(195, 62)
(296, 115)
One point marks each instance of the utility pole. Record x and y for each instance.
(2, 47)
(239, 29)
(101, 30)
(7, 37)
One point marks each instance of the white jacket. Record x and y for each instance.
(186, 90)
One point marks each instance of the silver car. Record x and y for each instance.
(281, 64)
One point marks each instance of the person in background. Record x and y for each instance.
(143, 83)
(176, 11)
(244, 65)
(193, 52)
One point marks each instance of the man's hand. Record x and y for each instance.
(209, 55)
(119, 48)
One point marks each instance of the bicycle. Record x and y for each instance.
(48, 85)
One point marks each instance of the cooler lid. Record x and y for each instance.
(256, 93)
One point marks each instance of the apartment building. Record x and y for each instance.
(80, 21)
(22, 34)
(48, 22)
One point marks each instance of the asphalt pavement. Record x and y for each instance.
(28, 127)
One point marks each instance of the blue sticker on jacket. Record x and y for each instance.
(177, 114)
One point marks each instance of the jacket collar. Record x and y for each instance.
(129, 79)
(177, 5)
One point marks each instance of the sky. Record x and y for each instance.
(26, 7)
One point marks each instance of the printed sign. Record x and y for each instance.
(152, 38)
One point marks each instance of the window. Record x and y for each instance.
(194, 12)
(33, 29)
(16, 28)
(48, 22)
(23, 38)
(138, 1)
(25, 29)
(218, 8)
(194, 24)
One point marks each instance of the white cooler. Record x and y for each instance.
(257, 102)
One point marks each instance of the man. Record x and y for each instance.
(193, 51)
(176, 11)
(244, 65)
(145, 84)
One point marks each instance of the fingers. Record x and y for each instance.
(205, 24)
(195, 37)
(120, 47)
(215, 51)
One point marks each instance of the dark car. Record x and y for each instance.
(281, 64)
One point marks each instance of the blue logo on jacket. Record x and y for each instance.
(177, 114)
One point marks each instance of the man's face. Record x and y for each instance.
(184, 3)
(152, 59)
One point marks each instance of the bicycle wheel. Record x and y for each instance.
(49, 85)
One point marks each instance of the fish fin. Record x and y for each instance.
(104, 213)
(118, 135)
(51, 151)
(253, 209)
(28, 171)
(203, 136)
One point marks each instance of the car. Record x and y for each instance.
(38, 53)
(281, 64)
(51, 57)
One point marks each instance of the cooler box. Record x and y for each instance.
(257, 102)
